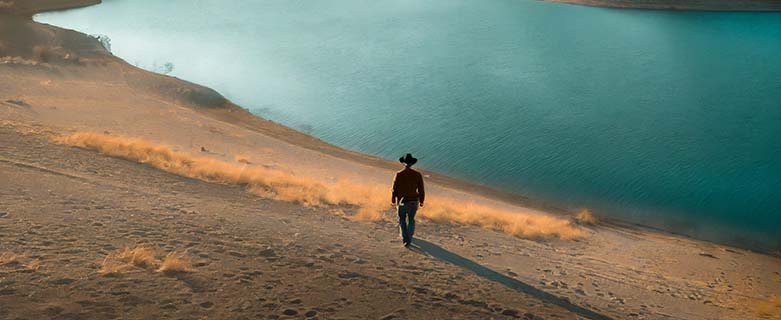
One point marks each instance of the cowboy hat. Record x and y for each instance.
(408, 159)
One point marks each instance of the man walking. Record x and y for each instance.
(408, 193)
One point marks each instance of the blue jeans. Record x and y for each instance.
(407, 212)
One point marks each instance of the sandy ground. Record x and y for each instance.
(66, 214)
(66, 209)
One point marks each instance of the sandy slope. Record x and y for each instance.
(68, 209)
(63, 210)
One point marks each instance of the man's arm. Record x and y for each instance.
(421, 190)
(393, 189)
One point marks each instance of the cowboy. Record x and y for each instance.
(408, 193)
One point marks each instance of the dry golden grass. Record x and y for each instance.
(518, 223)
(278, 184)
(112, 265)
(243, 159)
(9, 259)
(13, 260)
(586, 217)
(142, 257)
(42, 53)
(175, 263)
(33, 265)
(770, 309)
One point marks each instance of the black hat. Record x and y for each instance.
(408, 159)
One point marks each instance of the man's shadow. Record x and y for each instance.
(430, 249)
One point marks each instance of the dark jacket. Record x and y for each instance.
(408, 185)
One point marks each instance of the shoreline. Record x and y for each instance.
(682, 5)
(214, 105)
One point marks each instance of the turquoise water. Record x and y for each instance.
(671, 119)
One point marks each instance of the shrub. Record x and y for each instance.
(586, 217)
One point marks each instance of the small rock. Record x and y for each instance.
(348, 275)
(63, 281)
(237, 254)
(708, 255)
(267, 253)
(510, 313)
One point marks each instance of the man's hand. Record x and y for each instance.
(421, 204)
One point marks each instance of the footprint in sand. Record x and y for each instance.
(268, 253)
(53, 311)
(64, 281)
(290, 312)
(251, 274)
(7, 292)
(348, 275)
(237, 254)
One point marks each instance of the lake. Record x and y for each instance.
(669, 119)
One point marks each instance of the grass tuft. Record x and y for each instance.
(111, 265)
(141, 256)
(9, 259)
(586, 217)
(33, 265)
(144, 257)
(175, 263)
